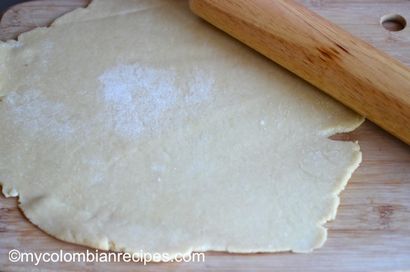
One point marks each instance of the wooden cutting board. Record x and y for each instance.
(372, 229)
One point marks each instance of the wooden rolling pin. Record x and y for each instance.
(363, 78)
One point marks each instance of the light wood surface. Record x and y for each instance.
(363, 78)
(372, 228)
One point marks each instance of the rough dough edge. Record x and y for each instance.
(109, 245)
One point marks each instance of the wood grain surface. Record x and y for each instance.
(372, 228)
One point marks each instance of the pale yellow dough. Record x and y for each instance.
(133, 125)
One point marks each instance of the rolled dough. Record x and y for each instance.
(133, 125)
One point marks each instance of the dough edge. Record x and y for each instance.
(80, 237)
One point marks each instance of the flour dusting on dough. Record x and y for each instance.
(36, 115)
(137, 97)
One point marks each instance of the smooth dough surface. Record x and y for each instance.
(133, 125)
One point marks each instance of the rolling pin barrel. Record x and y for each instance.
(363, 78)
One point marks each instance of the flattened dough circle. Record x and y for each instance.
(132, 125)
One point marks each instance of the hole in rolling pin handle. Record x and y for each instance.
(393, 22)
